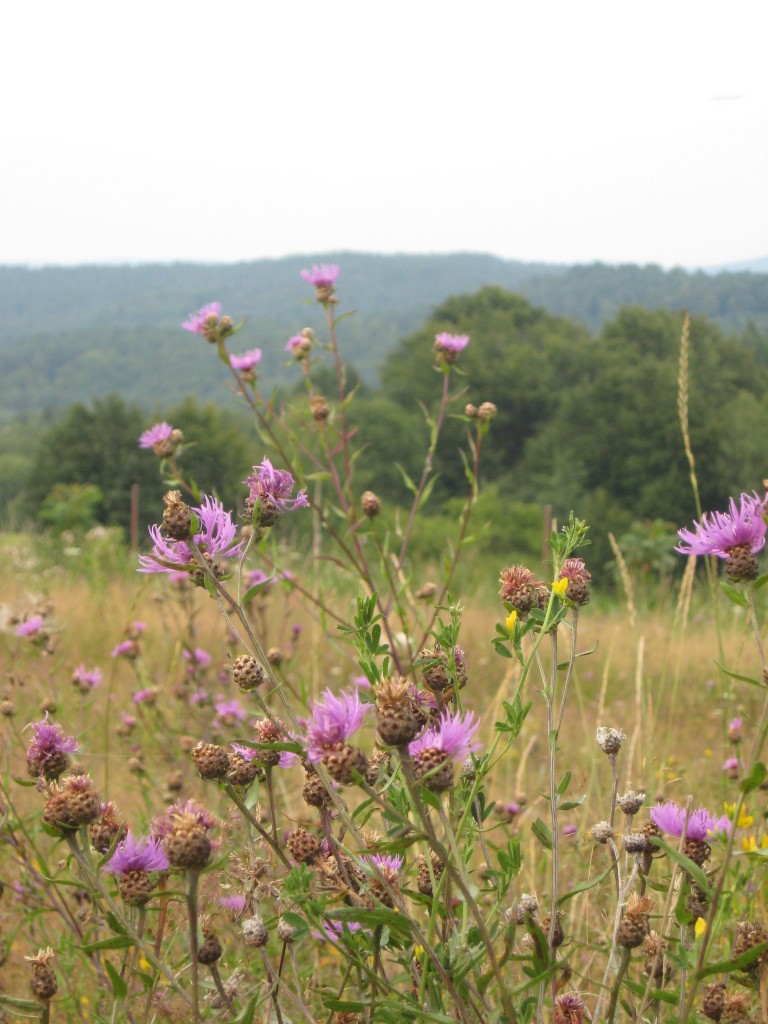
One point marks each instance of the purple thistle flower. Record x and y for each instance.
(731, 767)
(719, 532)
(389, 865)
(334, 720)
(734, 729)
(144, 854)
(156, 434)
(454, 343)
(146, 696)
(273, 488)
(670, 818)
(287, 757)
(452, 734)
(136, 629)
(164, 824)
(216, 538)
(230, 711)
(197, 658)
(332, 931)
(48, 739)
(200, 696)
(200, 321)
(87, 678)
(321, 275)
(234, 903)
(361, 682)
(570, 830)
(126, 648)
(294, 344)
(246, 361)
(31, 627)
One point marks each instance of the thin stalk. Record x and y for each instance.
(626, 955)
(225, 997)
(194, 877)
(235, 797)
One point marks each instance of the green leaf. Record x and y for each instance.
(248, 1016)
(737, 964)
(345, 1005)
(755, 778)
(542, 833)
(655, 993)
(583, 886)
(114, 942)
(21, 1004)
(734, 594)
(696, 873)
(119, 986)
(735, 675)
(564, 783)
(760, 582)
(568, 805)
(296, 921)
(251, 592)
(396, 921)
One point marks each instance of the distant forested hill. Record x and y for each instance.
(75, 334)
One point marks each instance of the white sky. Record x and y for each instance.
(547, 130)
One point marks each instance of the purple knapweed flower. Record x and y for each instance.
(670, 818)
(451, 342)
(570, 830)
(86, 678)
(157, 434)
(361, 682)
(31, 627)
(144, 854)
(203, 319)
(332, 931)
(48, 742)
(229, 711)
(146, 696)
(200, 696)
(389, 865)
(247, 361)
(286, 759)
(126, 648)
(334, 719)
(136, 629)
(295, 344)
(719, 532)
(731, 767)
(452, 734)
(233, 903)
(217, 539)
(321, 275)
(197, 658)
(270, 491)
(734, 729)
(191, 810)
(255, 577)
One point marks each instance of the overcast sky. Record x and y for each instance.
(558, 131)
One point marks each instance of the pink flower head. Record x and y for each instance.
(334, 720)
(203, 319)
(229, 711)
(126, 648)
(452, 734)
(146, 696)
(734, 729)
(719, 532)
(361, 682)
(321, 276)
(87, 678)
(287, 757)
(569, 830)
(144, 854)
(255, 577)
(48, 739)
(271, 489)
(234, 903)
(670, 818)
(31, 627)
(164, 824)
(295, 344)
(136, 629)
(197, 658)
(156, 434)
(731, 766)
(216, 539)
(332, 931)
(388, 865)
(451, 342)
(246, 361)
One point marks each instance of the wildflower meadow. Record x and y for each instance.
(278, 769)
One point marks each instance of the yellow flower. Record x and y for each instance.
(510, 620)
(745, 820)
(749, 843)
(560, 586)
(700, 927)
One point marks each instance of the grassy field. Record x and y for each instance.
(652, 675)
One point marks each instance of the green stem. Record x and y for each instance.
(626, 955)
